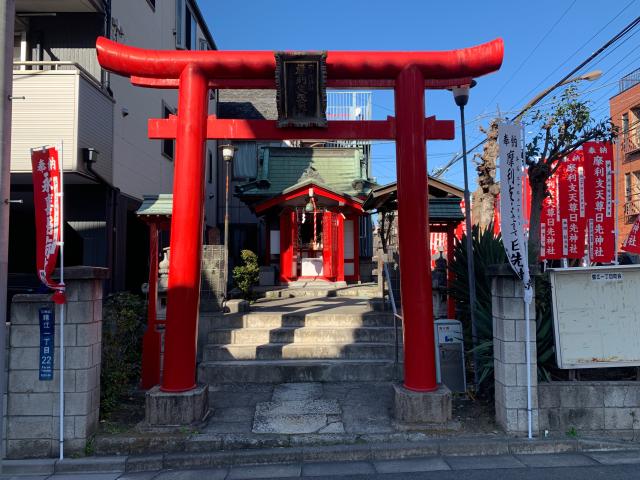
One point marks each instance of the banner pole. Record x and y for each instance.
(62, 305)
(616, 201)
(528, 354)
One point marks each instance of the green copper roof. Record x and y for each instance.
(287, 168)
(445, 209)
(156, 205)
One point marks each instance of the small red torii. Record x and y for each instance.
(193, 73)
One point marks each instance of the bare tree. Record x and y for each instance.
(484, 197)
(563, 128)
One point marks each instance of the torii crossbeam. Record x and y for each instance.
(195, 72)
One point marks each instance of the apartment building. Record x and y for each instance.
(62, 97)
(625, 115)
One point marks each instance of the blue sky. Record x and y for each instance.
(544, 40)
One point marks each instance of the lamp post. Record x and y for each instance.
(228, 152)
(461, 97)
(590, 77)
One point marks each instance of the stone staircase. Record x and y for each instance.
(300, 339)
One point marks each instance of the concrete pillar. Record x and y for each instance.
(509, 344)
(32, 404)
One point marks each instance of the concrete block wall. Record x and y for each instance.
(509, 344)
(611, 407)
(32, 415)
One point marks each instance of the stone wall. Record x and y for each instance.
(509, 343)
(605, 406)
(32, 418)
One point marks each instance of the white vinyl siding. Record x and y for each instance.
(95, 128)
(53, 107)
(45, 116)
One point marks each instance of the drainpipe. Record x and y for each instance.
(112, 209)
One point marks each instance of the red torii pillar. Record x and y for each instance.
(194, 72)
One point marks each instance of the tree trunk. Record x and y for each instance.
(538, 175)
(484, 198)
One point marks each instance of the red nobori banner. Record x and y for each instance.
(632, 243)
(599, 198)
(47, 202)
(572, 205)
(550, 224)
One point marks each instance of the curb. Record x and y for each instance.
(359, 452)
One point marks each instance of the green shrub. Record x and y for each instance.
(123, 324)
(487, 250)
(246, 276)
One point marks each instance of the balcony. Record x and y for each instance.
(631, 210)
(60, 103)
(57, 6)
(630, 144)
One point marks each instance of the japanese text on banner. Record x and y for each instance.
(510, 140)
(551, 239)
(47, 202)
(600, 201)
(572, 206)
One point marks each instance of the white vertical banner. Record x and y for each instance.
(511, 153)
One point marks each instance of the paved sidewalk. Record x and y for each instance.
(564, 465)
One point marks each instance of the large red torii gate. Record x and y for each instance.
(195, 72)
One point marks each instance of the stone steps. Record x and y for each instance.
(300, 340)
(286, 371)
(292, 351)
(277, 320)
(301, 335)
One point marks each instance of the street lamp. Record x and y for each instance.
(589, 76)
(461, 97)
(228, 152)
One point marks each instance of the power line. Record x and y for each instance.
(526, 95)
(523, 63)
(593, 56)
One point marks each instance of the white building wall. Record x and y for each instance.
(139, 167)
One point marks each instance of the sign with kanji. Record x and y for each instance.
(572, 205)
(301, 92)
(47, 336)
(632, 242)
(510, 140)
(600, 205)
(550, 223)
(47, 203)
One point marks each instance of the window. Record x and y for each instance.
(627, 187)
(168, 146)
(180, 40)
(245, 161)
(635, 130)
(209, 166)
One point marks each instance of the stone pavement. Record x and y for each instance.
(302, 408)
(529, 466)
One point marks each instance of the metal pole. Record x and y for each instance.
(470, 263)
(226, 225)
(62, 306)
(7, 18)
(528, 360)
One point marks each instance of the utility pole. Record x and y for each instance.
(7, 18)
